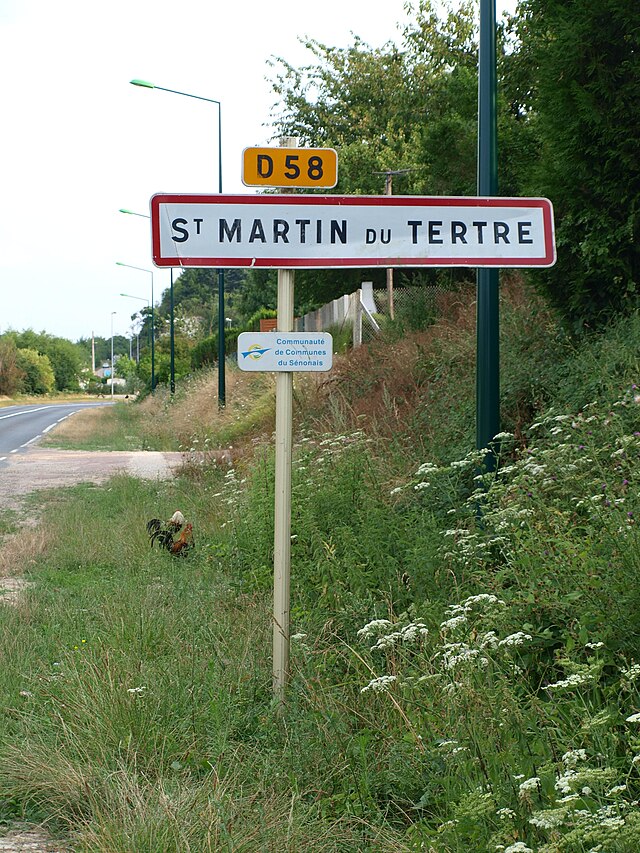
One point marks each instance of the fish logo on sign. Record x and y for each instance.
(255, 352)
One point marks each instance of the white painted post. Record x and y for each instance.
(282, 522)
(356, 318)
(282, 529)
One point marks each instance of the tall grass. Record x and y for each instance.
(465, 645)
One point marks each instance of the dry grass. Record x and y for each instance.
(21, 550)
(195, 416)
(82, 426)
(377, 387)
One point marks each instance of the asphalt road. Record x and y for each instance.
(21, 426)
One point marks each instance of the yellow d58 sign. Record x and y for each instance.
(290, 167)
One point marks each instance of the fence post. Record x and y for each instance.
(355, 312)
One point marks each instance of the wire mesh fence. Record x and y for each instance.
(366, 312)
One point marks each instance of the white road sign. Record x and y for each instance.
(314, 231)
(285, 351)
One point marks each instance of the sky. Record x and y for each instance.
(78, 142)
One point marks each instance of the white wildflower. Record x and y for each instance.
(453, 623)
(490, 641)
(505, 814)
(593, 645)
(414, 631)
(571, 681)
(563, 783)
(426, 468)
(549, 819)
(483, 598)
(518, 847)
(136, 689)
(617, 789)
(529, 785)
(516, 639)
(373, 627)
(380, 684)
(632, 672)
(634, 718)
(420, 486)
(297, 637)
(573, 756)
(387, 642)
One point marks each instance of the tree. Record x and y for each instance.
(583, 58)
(39, 377)
(65, 357)
(11, 375)
(413, 109)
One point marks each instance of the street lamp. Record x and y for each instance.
(153, 328)
(142, 299)
(112, 370)
(221, 348)
(172, 366)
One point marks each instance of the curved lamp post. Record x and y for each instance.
(221, 347)
(153, 328)
(172, 348)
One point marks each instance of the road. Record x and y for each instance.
(21, 426)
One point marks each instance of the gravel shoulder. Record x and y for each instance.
(47, 468)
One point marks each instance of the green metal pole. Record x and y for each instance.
(221, 341)
(487, 319)
(222, 394)
(172, 379)
(153, 342)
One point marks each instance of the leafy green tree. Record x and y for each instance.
(66, 361)
(11, 375)
(260, 290)
(412, 109)
(583, 62)
(65, 357)
(39, 377)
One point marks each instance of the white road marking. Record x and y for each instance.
(24, 412)
(31, 440)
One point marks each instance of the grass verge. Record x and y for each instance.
(465, 670)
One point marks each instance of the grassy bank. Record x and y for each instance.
(189, 420)
(465, 645)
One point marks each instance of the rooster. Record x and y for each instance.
(184, 543)
(163, 532)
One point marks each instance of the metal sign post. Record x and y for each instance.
(282, 526)
(282, 494)
(488, 318)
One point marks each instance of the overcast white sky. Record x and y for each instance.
(78, 142)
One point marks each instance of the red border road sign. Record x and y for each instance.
(324, 231)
